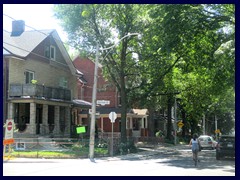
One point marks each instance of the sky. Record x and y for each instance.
(37, 16)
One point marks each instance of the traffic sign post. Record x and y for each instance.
(9, 129)
(8, 139)
(112, 116)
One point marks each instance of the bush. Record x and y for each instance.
(128, 147)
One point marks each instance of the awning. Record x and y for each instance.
(81, 103)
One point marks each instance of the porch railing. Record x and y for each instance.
(36, 90)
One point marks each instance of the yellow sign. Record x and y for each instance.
(217, 131)
(180, 124)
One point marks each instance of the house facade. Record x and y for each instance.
(40, 83)
(108, 100)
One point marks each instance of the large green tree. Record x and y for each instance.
(205, 36)
(89, 24)
(184, 48)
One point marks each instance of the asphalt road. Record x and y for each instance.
(161, 161)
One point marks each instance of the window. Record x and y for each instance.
(49, 52)
(52, 52)
(20, 146)
(29, 76)
(63, 82)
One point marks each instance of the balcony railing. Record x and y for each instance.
(40, 91)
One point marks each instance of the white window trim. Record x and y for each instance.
(54, 53)
(28, 71)
(20, 146)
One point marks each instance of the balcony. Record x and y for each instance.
(39, 91)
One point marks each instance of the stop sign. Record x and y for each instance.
(9, 126)
(9, 129)
(112, 116)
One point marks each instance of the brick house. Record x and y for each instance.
(108, 100)
(40, 91)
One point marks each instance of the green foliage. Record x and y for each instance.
(186, 48)
(128, 147)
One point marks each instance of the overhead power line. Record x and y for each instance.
(39, 31)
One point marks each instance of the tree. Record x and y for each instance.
(185, 48)
(204, 35)
(89, 24)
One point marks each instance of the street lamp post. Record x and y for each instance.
(94, 94)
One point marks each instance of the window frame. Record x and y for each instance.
(52, 54)
(26, 75)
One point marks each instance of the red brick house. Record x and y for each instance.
(108, 100)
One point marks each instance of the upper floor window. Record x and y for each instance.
(50, 52)
(29, 76)
(63, 82)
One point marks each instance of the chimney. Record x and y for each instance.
(18, 27)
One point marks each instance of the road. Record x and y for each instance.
(162, 161)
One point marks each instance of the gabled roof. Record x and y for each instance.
(24, 44)
(5, 52)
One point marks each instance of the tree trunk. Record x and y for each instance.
(123, 111)
(151, 122)
(169, 118)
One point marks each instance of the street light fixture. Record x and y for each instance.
(94, 94)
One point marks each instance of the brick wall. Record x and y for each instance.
(105, 90)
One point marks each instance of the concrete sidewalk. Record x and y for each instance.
(147, 152)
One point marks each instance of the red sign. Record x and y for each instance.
(9, 129)
(9, 126)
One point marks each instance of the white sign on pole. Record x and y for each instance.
(103, 102)
(90, 112)
(9, 129)
(112, 116)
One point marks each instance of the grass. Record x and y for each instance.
(83, 152)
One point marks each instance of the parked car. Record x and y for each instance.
(207, 142)
(225, 146)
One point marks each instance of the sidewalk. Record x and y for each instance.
(148, 152)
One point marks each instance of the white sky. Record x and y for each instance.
(38, 16)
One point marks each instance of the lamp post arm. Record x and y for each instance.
(131, 34)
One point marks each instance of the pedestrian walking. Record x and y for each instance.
(194, 142)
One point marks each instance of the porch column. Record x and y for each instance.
(142, 123)
(131, 123)
(146, 122)
(45, 128)
(32, 123)
(67, 120)
(101, 124)
(56, 129)
(10, 114)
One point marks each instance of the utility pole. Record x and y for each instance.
(216, 131)
(175, 122)
(94, 96)
(204, 118)
(93, 115)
